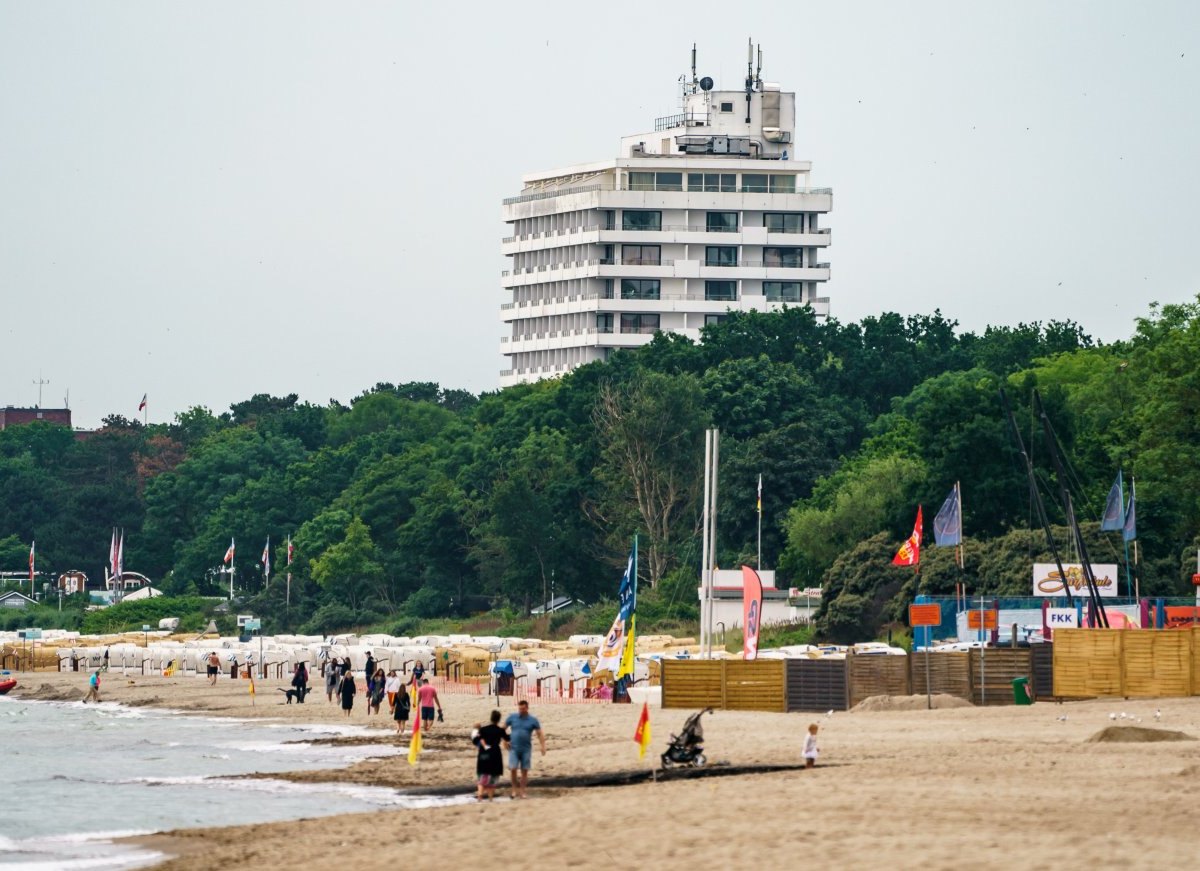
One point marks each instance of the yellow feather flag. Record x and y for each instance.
(642, 734)
(414, 745)
(626, 666)
(251, 673)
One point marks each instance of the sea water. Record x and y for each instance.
(74, 776)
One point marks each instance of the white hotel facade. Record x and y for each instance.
(709, 213)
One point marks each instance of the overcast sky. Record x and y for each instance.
(203, 201)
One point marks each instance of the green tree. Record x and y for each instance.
(349, 570)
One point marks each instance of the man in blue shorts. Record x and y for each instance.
(521, 728)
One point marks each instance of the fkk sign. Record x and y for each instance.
(1062, 618)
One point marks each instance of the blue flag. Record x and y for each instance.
(947, 525)
(1114, 511)
(1129, 529)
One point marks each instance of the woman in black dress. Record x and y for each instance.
(489, 765)
(347, 689)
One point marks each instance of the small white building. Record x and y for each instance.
(709, 212)
(727, 597)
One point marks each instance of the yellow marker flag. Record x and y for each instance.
(626, 666)
(251, 682)
(642, 734)
(414, 745)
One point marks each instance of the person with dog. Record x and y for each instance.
(300, 682)
(522, 726)
(214, 668)
(489, 764)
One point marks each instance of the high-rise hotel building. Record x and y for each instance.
(709, 213)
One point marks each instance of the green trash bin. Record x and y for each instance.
(1022, 694)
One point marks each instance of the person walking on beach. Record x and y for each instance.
(369, 670)
(489, 764)
(392, 686)
(347, 689)
(427, 698)
(810, 746)
(418, 674)
(400, 711)
(375, 699)
(300, 682)
(331, 679)
(214, 668)
(522, 726)
(93, 694)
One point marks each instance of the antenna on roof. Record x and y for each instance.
(758, 72)
(693, 63)
(749, 65)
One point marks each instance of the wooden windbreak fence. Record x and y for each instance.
(725, 684)
(1124, 663)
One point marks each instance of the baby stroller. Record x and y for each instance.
(687, 748)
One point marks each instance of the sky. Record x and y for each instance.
(201, 202)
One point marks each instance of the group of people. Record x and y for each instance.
(380, 685)
(517, 736)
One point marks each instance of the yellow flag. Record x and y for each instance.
(642, 734)
(414, 745)
(251, 673)
(626, 666)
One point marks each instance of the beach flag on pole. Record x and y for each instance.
(142, 404)
(250, 671)
(32, 562)
(642, 734)
(229, 553)
(266, 560)
(414, 744)
(910, 552)
(759, 503)
(612, 651)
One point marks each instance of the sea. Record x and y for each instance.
(75, 777)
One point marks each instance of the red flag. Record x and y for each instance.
(291, 550)
(32, 546)
(752, 599)
(642, 734)
(142, 404)
(229, 553)
(909, 553)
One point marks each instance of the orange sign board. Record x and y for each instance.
(925, 615)
(983, 619)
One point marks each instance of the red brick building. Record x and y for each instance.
(10, 416)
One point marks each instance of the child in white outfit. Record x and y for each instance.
(810, 747)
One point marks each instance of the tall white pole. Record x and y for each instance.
(758, 502)
(712, 536)
(704, 546)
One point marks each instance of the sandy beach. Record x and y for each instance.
(930, 789)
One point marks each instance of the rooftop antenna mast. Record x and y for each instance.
(749, 74)
(694, 79)
(758, 71)
(40, 382)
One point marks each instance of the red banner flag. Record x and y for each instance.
(909, 553)
(642, 734)
(752, 599)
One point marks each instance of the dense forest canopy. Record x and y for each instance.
(425, 501)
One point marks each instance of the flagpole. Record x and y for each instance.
(758, 563)
(704, 545)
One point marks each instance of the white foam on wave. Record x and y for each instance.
(76, 851)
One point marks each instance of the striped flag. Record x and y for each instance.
(32, 561)
(642, 734)
(266, 558)
(229, 553)
(760, 494)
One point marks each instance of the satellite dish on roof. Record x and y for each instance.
(706, 84)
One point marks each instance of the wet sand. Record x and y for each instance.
(991, 788)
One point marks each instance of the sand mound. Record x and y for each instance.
(48, 693)
(1136, 735)
(909, 703)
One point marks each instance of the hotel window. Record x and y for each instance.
(720, 291)
(782, 184)
(606, 290)
(727, 107)
(713, 182)
(641, 181)
(754, 184)
(789, 258)
(631, 220)
(641, 255)
(656, 181)
(604, 322)
(639, 288)
(784, 222)
(783, 291)
(639, 323)
(713, 319)
(721, 222)
(722, 255)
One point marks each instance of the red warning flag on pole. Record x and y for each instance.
(642, 734)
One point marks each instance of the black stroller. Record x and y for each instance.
(687, 748)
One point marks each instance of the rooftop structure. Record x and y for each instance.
(709, 212)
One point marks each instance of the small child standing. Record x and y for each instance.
(810, 746)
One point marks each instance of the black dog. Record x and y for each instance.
(298, 695)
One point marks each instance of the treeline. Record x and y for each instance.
(419, 501)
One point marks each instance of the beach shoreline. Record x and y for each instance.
(922, 788)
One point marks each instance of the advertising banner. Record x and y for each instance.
(1046, 580)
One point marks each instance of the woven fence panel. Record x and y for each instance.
(993, 671)
(1157, 663)
(1087, 662)
(877, 675)
(1043, 669)
(1195, 633)
(755, 686)
(949, 673)
(693, 683)
(817, 684)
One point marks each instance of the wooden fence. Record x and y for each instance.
(877, 675)
(1123, 663)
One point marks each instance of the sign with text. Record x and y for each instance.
(925, 615)
(1047, 582)
(1062, 618)
(983, 619)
